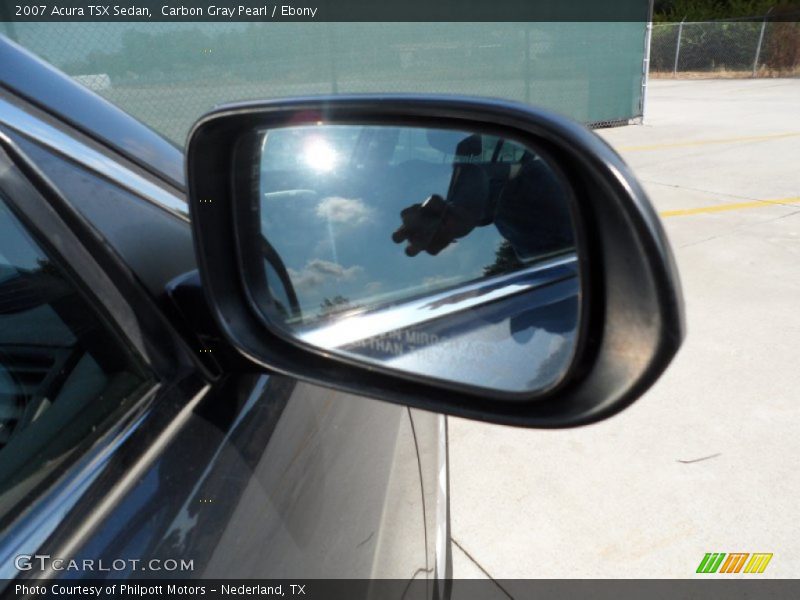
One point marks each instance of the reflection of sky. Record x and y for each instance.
(335, 237)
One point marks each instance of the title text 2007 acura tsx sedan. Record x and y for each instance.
(237, 362)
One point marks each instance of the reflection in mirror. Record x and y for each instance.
(441, 253)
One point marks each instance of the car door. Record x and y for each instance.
(230, 475)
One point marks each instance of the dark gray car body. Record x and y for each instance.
(246, 474)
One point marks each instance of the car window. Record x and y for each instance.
(62, 370)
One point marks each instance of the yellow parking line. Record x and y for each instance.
(723, 207)
(752, 138)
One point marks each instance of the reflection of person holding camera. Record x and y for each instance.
(531, 211)
(434, 224)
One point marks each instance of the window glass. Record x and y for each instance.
(62, 371)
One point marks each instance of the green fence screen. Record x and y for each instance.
(168, 74)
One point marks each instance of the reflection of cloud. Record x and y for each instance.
(318, 271)
(344, 210)
(436, 281)
(374, 287)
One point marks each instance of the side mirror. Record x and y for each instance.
(474, 257)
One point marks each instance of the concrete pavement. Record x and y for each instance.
(709, 459)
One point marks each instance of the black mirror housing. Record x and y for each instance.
(631, 308)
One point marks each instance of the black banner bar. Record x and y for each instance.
(325, 10)
(710, 587)
(228, 11)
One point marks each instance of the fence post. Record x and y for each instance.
(648, 42)
(678, 47)
(760, 40)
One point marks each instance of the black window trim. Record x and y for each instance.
(31, 122)
(126, 309)
(64, 233)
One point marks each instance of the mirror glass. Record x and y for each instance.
(442, 253)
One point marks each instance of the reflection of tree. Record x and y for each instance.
(505, 260)
(330, 306)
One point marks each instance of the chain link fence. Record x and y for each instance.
(752, 47)
(168, 74)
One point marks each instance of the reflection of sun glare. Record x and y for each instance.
(319, 155)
